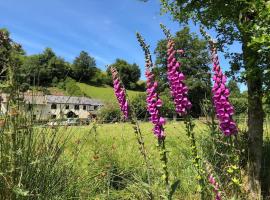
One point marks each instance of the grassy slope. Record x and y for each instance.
(102, 92)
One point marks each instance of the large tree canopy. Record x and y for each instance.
(129, 73)
(195, 65)
(41, 69)
(84, 67)
(246, 21)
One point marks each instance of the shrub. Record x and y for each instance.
(109, 113)
(138, 103)
(240, 105)
(70, 86)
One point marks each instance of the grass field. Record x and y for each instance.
(102, 92)
(114, 168)
(114, 153)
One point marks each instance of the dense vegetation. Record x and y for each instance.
(222, 156)
(246, 22)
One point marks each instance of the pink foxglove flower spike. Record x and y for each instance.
(120, 92)
(224, 110)
(153, 100)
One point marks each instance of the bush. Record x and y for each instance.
(109, 113)
(70, 86)
(138, 103)
(240, 105)
(100, 78)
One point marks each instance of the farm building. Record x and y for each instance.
(45, 107)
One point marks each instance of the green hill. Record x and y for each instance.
(105, 93)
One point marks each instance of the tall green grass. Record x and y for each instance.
(33, 165)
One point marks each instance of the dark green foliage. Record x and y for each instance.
(167, 109)
(240, 105)
(129, 73)
(41, 69)
(84, 67)
(246, 22)
(138, 104)
(69, 85)
(110, 113)
(238, 100)
(234, 89)
(100, 78)
(195, 66)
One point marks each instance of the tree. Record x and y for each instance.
(41, 69)
(237, 21)
(195, 65)
(234, 89)
(84, 67)
(129, 73)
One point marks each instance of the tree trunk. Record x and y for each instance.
(255, 120)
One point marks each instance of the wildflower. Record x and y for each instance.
(215, 184)
(153, 105)
(152, 99)
(179, 90)
(224, 110)
(120, 92)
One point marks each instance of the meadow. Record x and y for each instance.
(111, 166)
(111, 156)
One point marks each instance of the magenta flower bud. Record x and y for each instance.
(224, 110)
(120, 92)
(179, 90)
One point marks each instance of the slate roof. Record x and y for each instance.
(72, 100)
(44, 99)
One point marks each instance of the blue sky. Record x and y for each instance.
(104, 28)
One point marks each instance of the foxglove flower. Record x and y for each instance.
(224, 110)
(215, 184)
(120, 92)
(153, 105)
(179, 90)
(153, 101)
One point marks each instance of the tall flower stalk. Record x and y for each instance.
(179, 90)
(179, 93)
(120, 92)
(153, 106)
(215, 185)
(224, 109)
(128, 111)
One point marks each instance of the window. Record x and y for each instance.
(91, 108)
(53, 106)
(77, 107)
(67, 107)
(53, 116)
(34, 117)
(84, 107)
(95, 107)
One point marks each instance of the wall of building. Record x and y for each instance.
(45, 111)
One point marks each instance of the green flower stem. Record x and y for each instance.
(164, 160)
(196, 158)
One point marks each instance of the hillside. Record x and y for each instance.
(102, 92)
